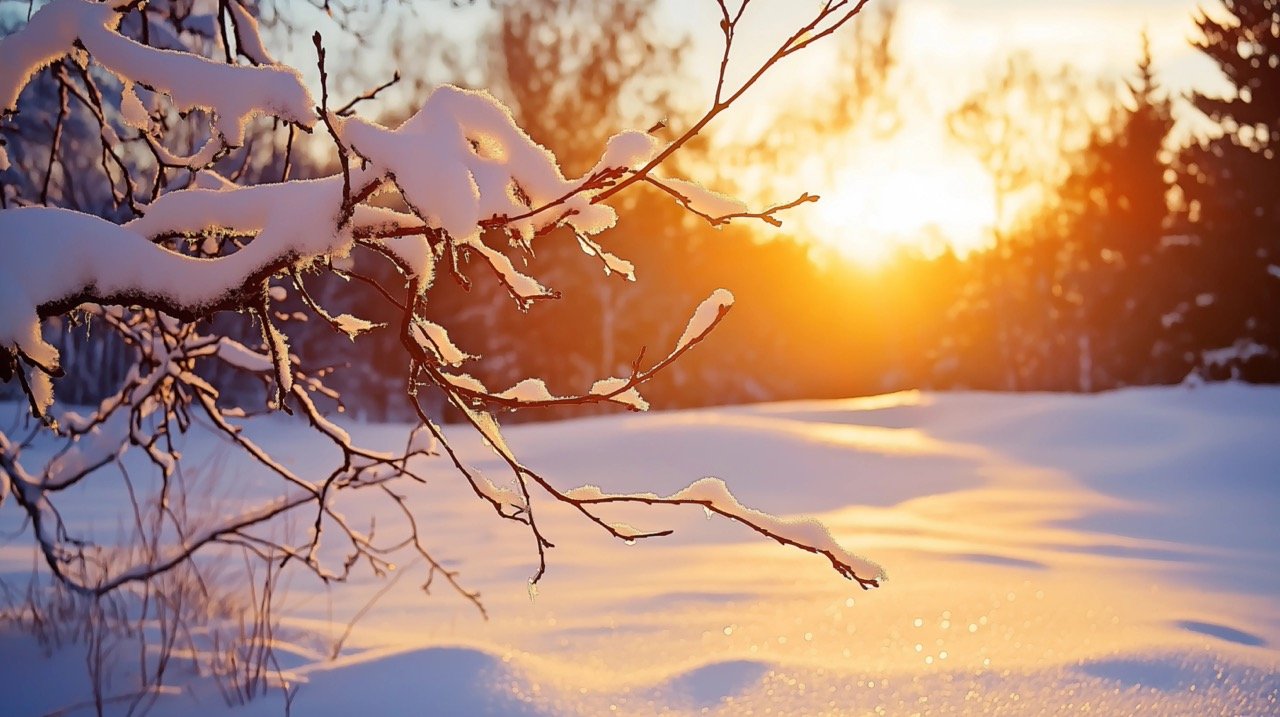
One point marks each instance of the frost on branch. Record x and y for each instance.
(234, 93)
(205, 245)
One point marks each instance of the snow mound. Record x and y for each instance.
(1048, 552)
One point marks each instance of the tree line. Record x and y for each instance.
(1140, 262)
(1148, 262)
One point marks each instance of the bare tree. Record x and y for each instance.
(1022, 124)
(863, 100)
(184, 242)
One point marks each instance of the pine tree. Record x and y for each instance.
(1120, 190)
(1226, 318)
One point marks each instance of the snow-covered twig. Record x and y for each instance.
(201, 245)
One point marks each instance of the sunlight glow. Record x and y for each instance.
(897, 197)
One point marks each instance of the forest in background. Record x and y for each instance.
(1141, 261)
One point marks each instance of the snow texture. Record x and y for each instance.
(459, 187)
(353, 326)
(1039, 543)
(530, 389)
(1239, 352)
(422, 440)
(466, 381)
(714, 494)
(234, 93)
(612, 263)
(248, 38)
(131, 108)
(482, 166)
(237, 354)
(703, 200)
(616, 389)
(705, 316)
(116, 261)
(627, 150)
(460, 163)
(435, 339)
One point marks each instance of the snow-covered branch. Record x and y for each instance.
(473, 185)
(233, 93)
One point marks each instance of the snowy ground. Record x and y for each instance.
(1112, 554)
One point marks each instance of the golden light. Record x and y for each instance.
(895, 197)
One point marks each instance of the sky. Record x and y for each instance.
(948, 43)
(1097, 36)
(955, 40)
(919, 189)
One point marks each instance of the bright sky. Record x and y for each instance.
(921, 187)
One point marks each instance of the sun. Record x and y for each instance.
(896, 197)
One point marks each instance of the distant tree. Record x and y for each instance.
(1116, 213)
(1225, 263)
(574, 72)
(792, 289)
(865, 98)
(1022, 124)
(555, 60)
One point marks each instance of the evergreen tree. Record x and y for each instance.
(1120, 192)
(1226, 317)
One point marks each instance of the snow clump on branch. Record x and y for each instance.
(201, 244)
